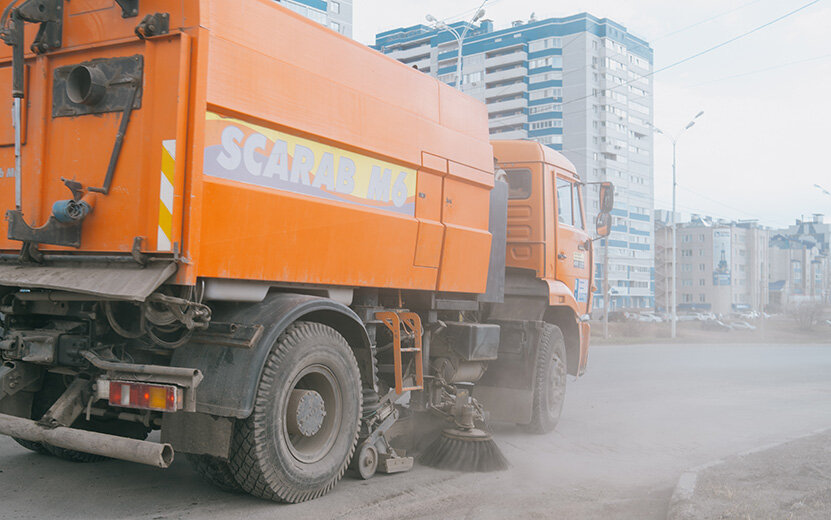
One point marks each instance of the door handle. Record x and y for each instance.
(562, 256)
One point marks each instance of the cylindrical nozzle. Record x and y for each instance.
(86, 85)
(69, 211)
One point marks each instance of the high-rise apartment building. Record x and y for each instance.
(335, 14)
(581, 85)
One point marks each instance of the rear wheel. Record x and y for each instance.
(298, 441)
(549, 381)
(33, 446)
(215, 471)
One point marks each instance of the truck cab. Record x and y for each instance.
(548, 236)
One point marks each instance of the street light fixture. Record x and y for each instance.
(673, 309)
(460, 38)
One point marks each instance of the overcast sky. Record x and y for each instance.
(765, 138)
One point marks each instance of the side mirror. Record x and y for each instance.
(603, 224)
(607, 197)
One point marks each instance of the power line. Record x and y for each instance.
(701, 53)
(759, 71)
(719, 203)
(706, 20)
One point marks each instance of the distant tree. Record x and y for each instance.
(807, 314)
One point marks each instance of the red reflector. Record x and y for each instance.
(163, 398)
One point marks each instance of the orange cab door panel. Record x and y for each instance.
(573, 257)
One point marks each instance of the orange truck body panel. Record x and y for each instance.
(293, 155)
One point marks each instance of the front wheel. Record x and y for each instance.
(549, 381)
(300, 437)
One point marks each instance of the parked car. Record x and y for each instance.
(717, 325)
(648, 317)
(742, 325)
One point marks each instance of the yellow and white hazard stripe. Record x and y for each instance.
(165, 237)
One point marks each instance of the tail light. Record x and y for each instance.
(144, 396)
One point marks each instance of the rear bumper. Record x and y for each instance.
(131, 450)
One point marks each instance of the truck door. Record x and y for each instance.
(572, 249)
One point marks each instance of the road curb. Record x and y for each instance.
(682, 503)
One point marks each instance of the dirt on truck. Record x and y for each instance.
(279, 247)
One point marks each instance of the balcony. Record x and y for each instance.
(517, 57)
(502, 75)
(421, 65)
(510, 104)
(512, 120)
(408, 54)
(513, 134)
(506, 90)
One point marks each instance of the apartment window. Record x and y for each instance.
(335, 26)
(548, 76)
(334, 7)
(702, 267)
(548, 123)
(474, 77)
(548, 107)
(549, 61)
(317, 16)
(548, 43)
(702, 282)
(549, 139)
(702, 298)
(546, 93)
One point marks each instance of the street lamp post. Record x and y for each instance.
(674, 312)
(460, 38)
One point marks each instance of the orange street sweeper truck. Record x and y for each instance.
(275, 245)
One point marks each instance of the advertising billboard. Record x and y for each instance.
(721, 257)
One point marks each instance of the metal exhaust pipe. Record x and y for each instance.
(131, 450)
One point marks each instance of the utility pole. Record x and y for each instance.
(674, 315)
(607, 289)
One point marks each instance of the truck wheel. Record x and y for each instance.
(298, 441)
(215, 471)
(118, 428)
(549, 381)
(33, 446)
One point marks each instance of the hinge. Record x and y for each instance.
(129, 8)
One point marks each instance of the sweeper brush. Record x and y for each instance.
(471, 450)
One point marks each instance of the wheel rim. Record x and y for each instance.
(556, 384)
(308, 436)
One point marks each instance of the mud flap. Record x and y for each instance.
(125, 282)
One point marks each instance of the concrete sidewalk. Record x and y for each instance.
(790, 480)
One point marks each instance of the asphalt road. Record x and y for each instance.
(639, 418)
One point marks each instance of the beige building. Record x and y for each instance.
(800, 268)
(722, 266)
